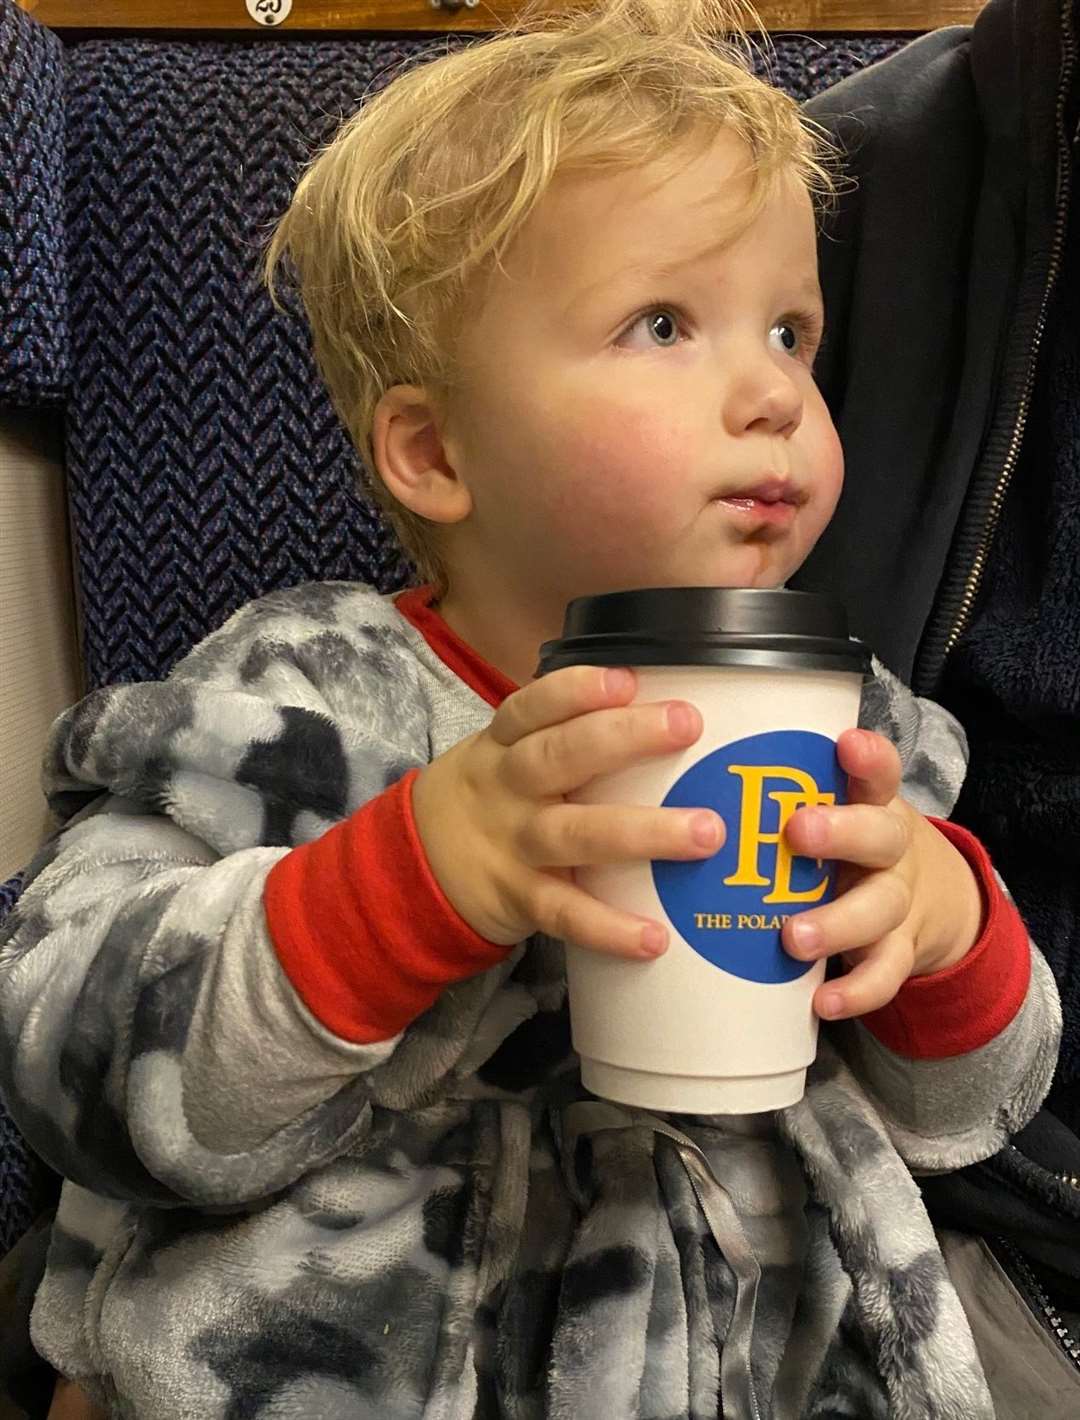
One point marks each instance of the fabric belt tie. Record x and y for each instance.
(738, 1399)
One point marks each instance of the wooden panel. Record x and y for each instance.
(400, 15)
(40, 674)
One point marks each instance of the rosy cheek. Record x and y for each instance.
(618, 463)
(824, 450)
(833, 462)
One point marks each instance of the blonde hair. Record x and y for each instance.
(424, 188)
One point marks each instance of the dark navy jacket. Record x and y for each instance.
(951, 364)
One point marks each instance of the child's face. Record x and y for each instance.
(622, 427)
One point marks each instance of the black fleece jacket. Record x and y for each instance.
(951, 272)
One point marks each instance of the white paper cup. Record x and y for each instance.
(722, 1023)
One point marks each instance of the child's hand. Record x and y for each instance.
(501, 838)
(71, 1402)
(908, 903)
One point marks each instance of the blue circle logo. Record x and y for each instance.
(730, 907)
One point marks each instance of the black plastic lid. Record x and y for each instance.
(707, 626)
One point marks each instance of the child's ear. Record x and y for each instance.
(411, 458)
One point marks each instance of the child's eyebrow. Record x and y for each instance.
(810, 292)
(661, 269)
(634, 273)
(649, 270)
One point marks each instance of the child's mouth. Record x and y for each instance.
(773, 503)
(758, 510)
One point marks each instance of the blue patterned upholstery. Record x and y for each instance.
(33, 275)
(205, 463)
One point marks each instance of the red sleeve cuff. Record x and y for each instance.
(955, 1011)
(361, 926)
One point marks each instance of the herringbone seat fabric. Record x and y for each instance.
(33, 277)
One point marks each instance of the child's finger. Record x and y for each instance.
(559, 697)
(864, 834)
(872, 765)
(860, 917)
(561, 909)
(871, 984)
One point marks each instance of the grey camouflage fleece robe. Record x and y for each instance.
(264, 1220)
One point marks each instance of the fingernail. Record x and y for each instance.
(682, 720)
(815, 828)
(805, 935)
(704, 830)
(832, 1003)
(618, 682)
(653, 939)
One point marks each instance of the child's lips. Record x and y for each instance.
(764, 507)
(773, 503)
(756, 510)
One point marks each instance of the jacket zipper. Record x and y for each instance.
(934, 652)
(1071, 1180)
(975, 575)
(1036, 1294)
(1040, 1302)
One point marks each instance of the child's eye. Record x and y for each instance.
(662, 323)
(799, 332)
(796, 333)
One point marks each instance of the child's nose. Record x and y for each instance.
(765, 396)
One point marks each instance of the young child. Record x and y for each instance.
(284, 998)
